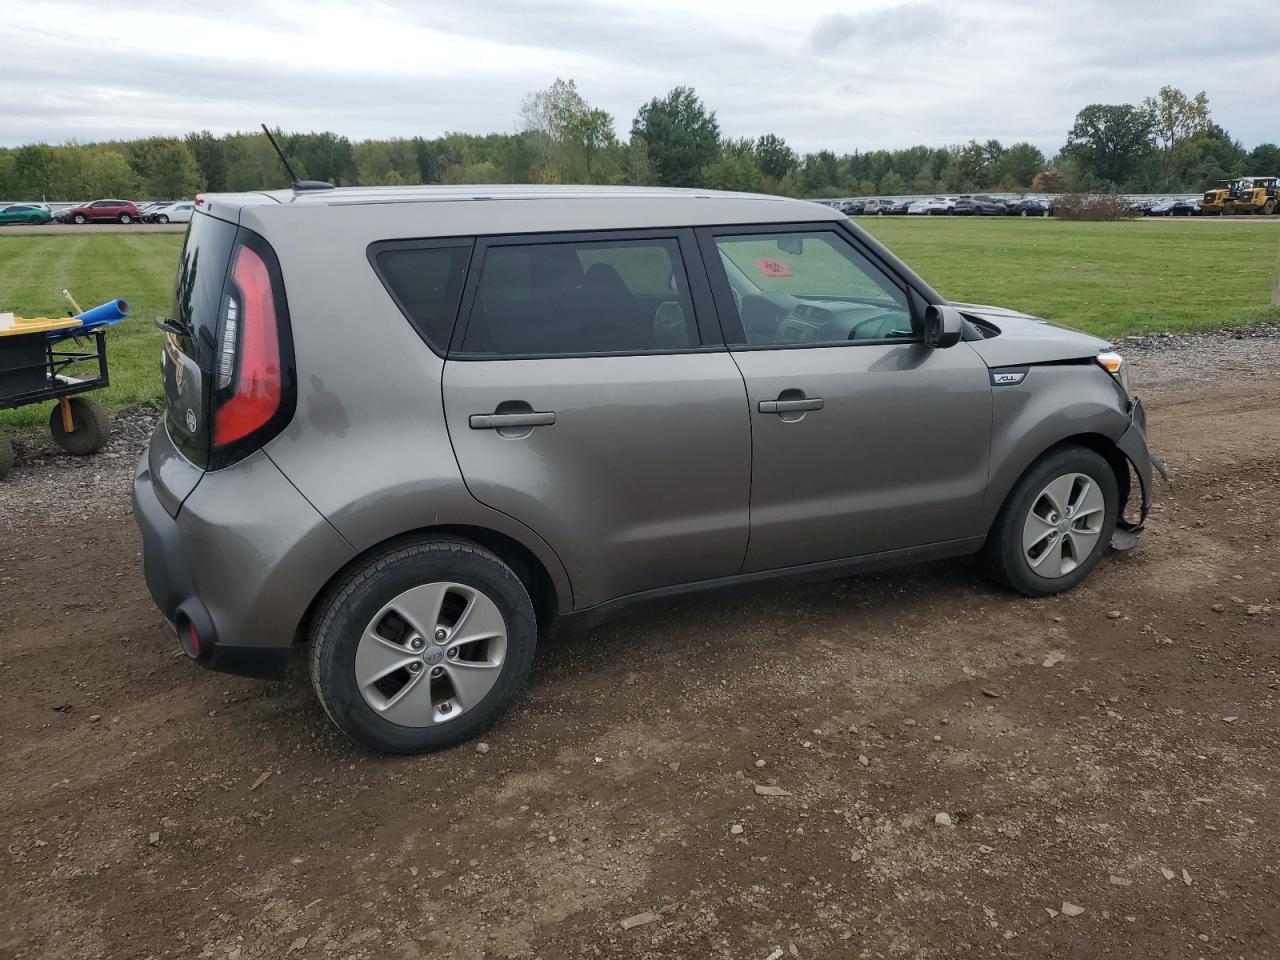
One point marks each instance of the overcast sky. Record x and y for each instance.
(853, 75)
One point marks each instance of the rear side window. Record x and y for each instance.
(426, 281)
(574, 298)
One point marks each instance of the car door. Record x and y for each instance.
(10, 214)
(864, 439)
(589, 395)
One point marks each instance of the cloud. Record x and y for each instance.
(838, 74)
(907, 24)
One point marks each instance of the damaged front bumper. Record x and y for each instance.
(1133, 444)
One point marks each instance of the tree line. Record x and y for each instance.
(1167, 143)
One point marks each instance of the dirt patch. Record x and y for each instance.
(1113, 749)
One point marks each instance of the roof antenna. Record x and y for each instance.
(297, 184)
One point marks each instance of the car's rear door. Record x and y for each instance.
(589, 395)
(865, 440)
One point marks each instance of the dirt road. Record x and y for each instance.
(1111, 751)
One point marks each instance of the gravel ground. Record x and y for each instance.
(908, 765)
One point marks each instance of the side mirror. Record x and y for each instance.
(942, 326)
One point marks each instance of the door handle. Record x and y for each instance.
(499, 421)
(791, 406)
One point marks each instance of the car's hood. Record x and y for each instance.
(1026, 339)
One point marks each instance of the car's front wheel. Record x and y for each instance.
(1056, 523)
(125, 218)
(162, 219)
(423, 646)
(79, 218)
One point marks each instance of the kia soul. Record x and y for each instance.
(415, 427)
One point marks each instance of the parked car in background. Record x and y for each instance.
(932, 206)
(1166, 207)
(900, 207)
(421, 507)
(1185, 207)
(1028, 207)
(978, 207)
(101, 211)
(851, 208)
(877, 207)
(25, 213)
(179, 212)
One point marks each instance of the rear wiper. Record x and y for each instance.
(176, 327)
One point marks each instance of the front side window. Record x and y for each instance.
(811, 289)
(570, 298)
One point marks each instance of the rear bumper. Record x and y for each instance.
(1133, 444)
(236, 570)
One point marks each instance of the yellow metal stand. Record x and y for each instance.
(68, 421)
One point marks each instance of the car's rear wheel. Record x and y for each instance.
(422, 647)
(79, 218)
(1056, 523)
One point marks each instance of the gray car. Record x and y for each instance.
(416, 426)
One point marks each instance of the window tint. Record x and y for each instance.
(811, 289)
(614, 296)
(426, 283)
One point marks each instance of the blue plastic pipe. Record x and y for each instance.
(105, 314)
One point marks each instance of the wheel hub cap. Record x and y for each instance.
(464, 660)
(1063, 526)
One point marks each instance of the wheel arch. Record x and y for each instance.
(549, 597)
(1100, 443)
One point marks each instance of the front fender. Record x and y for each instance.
(1053, 403)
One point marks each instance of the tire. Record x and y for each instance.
(1092, 486)
(6, 456)
(92, 427)
(365, 600)
(1269, 207)
(35, 221)
(79, 218)
(125, 218)
(162, 219)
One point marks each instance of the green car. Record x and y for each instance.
(24, 213)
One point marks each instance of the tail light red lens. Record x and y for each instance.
(251, 345)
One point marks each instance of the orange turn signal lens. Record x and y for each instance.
(1111, 362)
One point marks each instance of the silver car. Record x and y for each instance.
(416, 426)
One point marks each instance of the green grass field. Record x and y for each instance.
(1111, 279)
(34, 269)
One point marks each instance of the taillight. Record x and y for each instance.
(252, 375)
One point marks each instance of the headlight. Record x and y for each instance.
(1114, 364)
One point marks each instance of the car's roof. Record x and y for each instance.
(490, 208)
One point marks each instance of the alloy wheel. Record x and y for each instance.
(431, 654)
(1063, 525)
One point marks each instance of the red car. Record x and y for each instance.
(115, 211)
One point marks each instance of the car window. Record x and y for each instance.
(426, 283)
(573, 298)
(811, 289)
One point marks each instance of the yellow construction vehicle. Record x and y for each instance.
(1255, 195)
(1215, 199)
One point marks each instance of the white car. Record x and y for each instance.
(179, 212)
(933, 206)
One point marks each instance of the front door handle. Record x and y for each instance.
(791, 406)
(501, 421)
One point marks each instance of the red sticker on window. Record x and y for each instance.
(774, 268)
